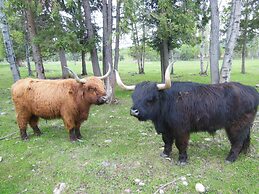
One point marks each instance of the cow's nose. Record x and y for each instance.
(104, 98)
(134, 112)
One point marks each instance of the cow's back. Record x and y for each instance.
(44, 98)
(209, 107)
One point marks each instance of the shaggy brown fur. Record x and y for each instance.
(49, 99)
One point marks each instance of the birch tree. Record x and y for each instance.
(232, 34)
(214, 42)
(117, 36)
(107, 48)
(8, 44)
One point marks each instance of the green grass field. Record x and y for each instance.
(117, 149)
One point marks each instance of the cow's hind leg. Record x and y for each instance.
(168, 140)
(246, 143)
(22, 121)
(181, 142)
(34, 125)
(239, 138)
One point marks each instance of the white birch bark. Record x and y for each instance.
(107, 49)
(8, 44)
(214, 42)
(202, 51)
(63, 62)
(232, 34)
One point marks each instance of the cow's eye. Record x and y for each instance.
(151, 101)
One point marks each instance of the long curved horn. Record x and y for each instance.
(75, 76)
(167, 83)
(107, 73)
(120, 83)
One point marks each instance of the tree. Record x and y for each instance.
(91, 37)
(76, 24)
(53, 34)
(27, 46)
(232, 34)
(214, 42)
(173, 23)
(202, 22)
(107, 48)
(32, 35)
(8, 44)
(249, 25)
(117, 35)
(134, 20)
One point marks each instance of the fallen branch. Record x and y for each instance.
(9, 135)
(165, 185)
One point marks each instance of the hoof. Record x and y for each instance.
(163, 155)
(73, 139)
(228, 162)
(25, 138)
(38, 133)
(231, 159)
(181, 163)
(79, 136)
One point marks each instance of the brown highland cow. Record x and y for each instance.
(68, 99)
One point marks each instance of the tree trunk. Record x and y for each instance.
(35, 47)
(63, 61)
(107, 49)
(91, 38)
(214, 42)
(27, 45)
(27, 53)
(84, 72)
(243, 70)
(244, 40)
(202, 51)
(164, 53)
(143, 47)
(231, 41)
(171, 54)
(117, 36)
(137, 46)
(8, 44)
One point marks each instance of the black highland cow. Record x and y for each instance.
(180, 108)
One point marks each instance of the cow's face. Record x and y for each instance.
(145, 101)
(94, 91)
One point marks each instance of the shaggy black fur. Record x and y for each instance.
(192, 107)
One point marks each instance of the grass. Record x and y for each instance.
(117, 149)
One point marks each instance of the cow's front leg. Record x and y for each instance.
(72, 135)
(168, 140)
(181, 142)
(77, 132)
(70, 125)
